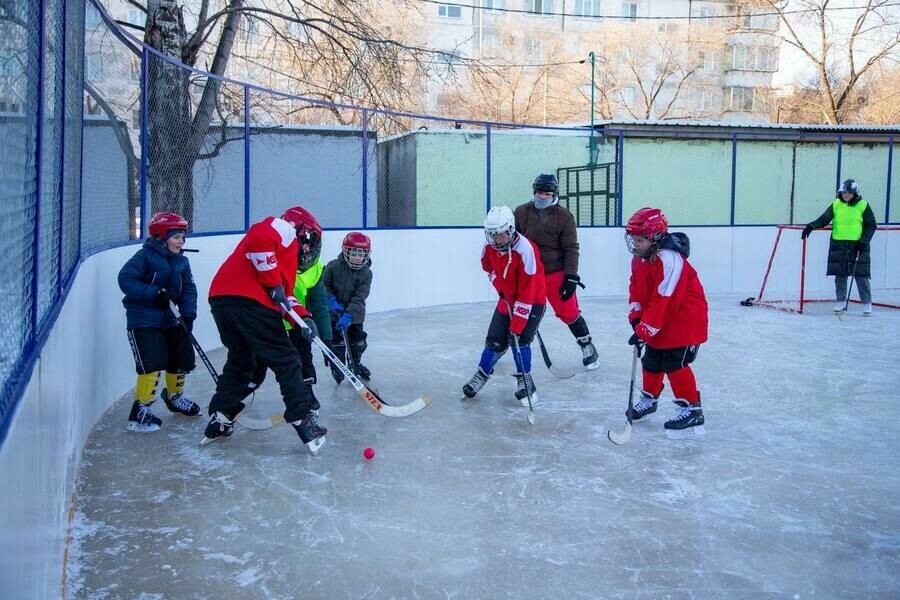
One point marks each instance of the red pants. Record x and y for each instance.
(566, 310)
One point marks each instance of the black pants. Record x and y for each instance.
(498, 337)
(355, 335)
(668, 360)
(255, 338)
(304, 349)
(168, 349)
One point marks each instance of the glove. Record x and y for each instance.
(634, 324)
(567, 289)
(188, 324)
(344, 322)
(277, 295)
(333, 305)
(310, 332)
(634, 340)
(161, 299)
(862, 246)
(806, 231)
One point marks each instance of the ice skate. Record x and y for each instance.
(335, 372)
(219, 427)
(523, 392)
(644, 409)
(839, 306)
(142, 418)
(180, 404)
(362, 371)
(476, 383)
(867, 310)
(688, 421)
(311, 433)
(589, 357)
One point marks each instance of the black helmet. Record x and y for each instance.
(545, 182)
(849, 186)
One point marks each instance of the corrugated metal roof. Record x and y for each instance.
(670, 124)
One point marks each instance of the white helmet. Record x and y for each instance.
(500, 220)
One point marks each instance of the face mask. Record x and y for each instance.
(541, 203)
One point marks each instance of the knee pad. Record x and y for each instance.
(579, 327)
(497, 346)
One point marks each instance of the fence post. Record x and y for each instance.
(733, 174)
(61, 188)
(620, 162)
(890, 166)
(487, 201)
(840, 149)
(246, 157)
(365, 168)
(145, 60)
(38, 159)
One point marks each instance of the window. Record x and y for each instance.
(754, 58)
(450, 12)
(539, 7)
(627, 95)
(490, 40)
(137, 18)
(587, 8)
(739, 99)
(629, 11)
(93, 67)
(534, 47)
(707, 61)
(704, 102)
(493, 4)
(705, 12)
(668, 26)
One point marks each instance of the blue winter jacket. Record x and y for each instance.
(152, 268)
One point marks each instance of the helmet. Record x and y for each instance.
(849, 186)
(356, 248)
(163, 222)
(646, 222)
(500, 220)
(545, 182)
(309, 233)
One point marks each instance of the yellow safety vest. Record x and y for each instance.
(305, 281)
(848, 220)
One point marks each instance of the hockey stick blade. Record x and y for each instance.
(620, 439)
(259, 424)
(557, 372)
(561, 373)
(370, 397)
(748, 302)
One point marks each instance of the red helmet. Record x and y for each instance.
(648, 222)
(356, 249)
(309, 233)
(163, 222)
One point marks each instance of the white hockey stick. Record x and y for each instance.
(521, 361)
(843, 312)
(622, 438)
(557, 372)
(248, 422)
(371, 398)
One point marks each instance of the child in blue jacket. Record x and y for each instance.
(159, 273)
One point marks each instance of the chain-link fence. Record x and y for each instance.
(97, 132)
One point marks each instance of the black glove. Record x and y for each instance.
(161, 299)
(634, 340)
(806, 231)
(634, 324)
(862, 246)
(310, 332)
(277, 295)
(567, 289)
(188, 323)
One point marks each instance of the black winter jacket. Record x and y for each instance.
(841, 253)
(152, 268)
(350, 286)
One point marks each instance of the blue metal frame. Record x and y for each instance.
(733, 176)
(840, 150)
(487, 152)
(145, 60)
(890, 167)
(62, 153)
(38, 159)
(620, 159)
(365, 168)
(246, 158)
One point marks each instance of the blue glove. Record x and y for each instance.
(334, 306)
(344, 322)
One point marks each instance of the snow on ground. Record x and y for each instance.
(792, 493)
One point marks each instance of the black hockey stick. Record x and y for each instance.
(622, 438)
(843, 312)
(518, 351)
(248, 422)
(557, 372)
(371, 398)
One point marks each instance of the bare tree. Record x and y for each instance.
(339, 47)
(840, 49)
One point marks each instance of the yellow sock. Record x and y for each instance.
(145, 388)
(174, 383)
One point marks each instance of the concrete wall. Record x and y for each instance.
(86, 364)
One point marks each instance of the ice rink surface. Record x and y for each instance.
(793, 493)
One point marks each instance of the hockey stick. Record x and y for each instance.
(557, 372)
(248, 422)
(521, 362)
(843, 312)
(622, 438)
(371, 398)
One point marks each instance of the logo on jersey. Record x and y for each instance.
(263, 261)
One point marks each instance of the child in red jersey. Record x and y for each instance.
(513, 264)
(668, 311)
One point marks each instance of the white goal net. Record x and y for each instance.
(795, 273)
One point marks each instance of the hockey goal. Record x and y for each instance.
(795, 273)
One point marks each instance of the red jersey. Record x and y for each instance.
(264, 258)
(668, 298)
(518, 275)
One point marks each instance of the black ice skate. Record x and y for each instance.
(142, 418)
(362, 371)
(476, 383)
(523, 392)
(589, 357)
(335, 372)
(311, 433)
(181, 404)
(313, 401)
(688, 421)
(644, 409)
(219, 427)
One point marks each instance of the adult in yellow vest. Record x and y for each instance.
(848, 252)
